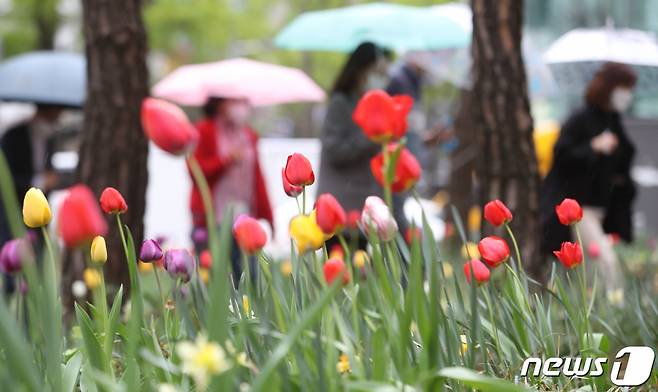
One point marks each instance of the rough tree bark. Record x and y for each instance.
(506, 168)
(114, 150)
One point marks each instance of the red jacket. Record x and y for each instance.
(213, 166)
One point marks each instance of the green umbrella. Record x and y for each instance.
(389, 25)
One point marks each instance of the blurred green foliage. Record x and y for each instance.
(28, 25)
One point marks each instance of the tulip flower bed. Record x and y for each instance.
(390, 317)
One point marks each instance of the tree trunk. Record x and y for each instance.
(506, 168)
(114, 149)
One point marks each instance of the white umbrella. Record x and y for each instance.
(626, 46)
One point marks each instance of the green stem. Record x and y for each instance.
(516, 248)
(583, 288)
(304, 201)
(388, 196)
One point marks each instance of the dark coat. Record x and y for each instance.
(592, 178)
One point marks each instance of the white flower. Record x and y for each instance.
(376, 215)
(202, 359)
(167, 388)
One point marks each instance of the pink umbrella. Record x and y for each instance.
(261, 83)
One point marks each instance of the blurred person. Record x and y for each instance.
(28, 147)
(592, 163)
(346, 151)
(228, 155)
(409, 78)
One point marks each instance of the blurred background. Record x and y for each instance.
(180, 32)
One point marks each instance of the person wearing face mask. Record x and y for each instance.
(228, 156)
(346, 151)
(592, 164)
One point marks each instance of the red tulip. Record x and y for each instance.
(480, 271)
(298, 170)
(168, 126)
(493, 250)
(594, 250)
(291, 190)
(497, 213)
(205, 259)
(353, 218)
(413, 234)
(334, 268)
(383, 118)
(330, 216)
(249, 234)
(112, 202)
(80, 219)
(569, 212)
(407, 169)
(570, 254)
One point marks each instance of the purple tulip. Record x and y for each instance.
(200, 237)
(150, 251)
(179, 263)
(12, 254)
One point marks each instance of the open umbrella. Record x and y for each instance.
(260, 83)
(47, 77)
(575, 56)
(390, 25)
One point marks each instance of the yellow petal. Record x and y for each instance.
(36, 211)
(92, 278)
(360, 258)
(98, 250)
(307, 234)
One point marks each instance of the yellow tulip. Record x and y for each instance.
(307, 234)
(286, 268)
(360, 258)
(204, 275)
(36, 211)
(343, 365)
(470, 251)
(92, 278)
(474, 219)
(98, 250)
(144, 267)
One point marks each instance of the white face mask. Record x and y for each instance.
(620, 99)
(238, 113)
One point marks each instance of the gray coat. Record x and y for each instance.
(346, 153)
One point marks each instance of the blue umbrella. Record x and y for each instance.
(57, 78)
(390, 25)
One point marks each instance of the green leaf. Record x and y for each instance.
(71, 372)
(112, 324)
(308, 317)
(472, 379)
(91, 345)
(17, 351)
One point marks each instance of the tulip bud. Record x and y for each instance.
(381, 117)
(112, 201)
(360, 259)
(298, 170)
(249, 234)
(79, 219)
(407, 169)
(179, 264)
(150, 251)
(353, 218)
(569, 212)
(570, 254)
(336, 252)
(92, 278)
(493, 250)
(335, 268)
(168, 126)
(12, 255)
(36, 211)
(291, 190)
(497, 213)
(376, 215)
(331, 217)
(200, 237)
(98, 250)
(480, 271)
(306, 233)
(205, 259)
(286, 268)
(594, 250)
